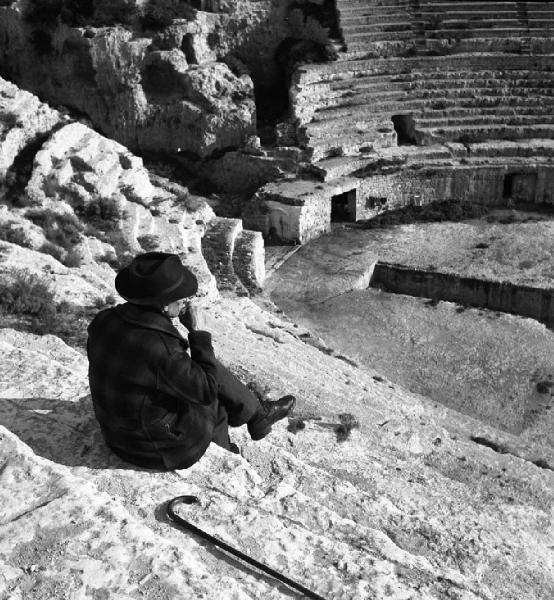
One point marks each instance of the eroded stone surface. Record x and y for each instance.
(81, 286)
(23, 120)
(116, 208)
(139, 91)
(407, 505)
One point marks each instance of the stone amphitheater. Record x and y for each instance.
(208, 128)
(429, 101)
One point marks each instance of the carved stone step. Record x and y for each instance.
(481, 32)
(359, 39)
(362, 110)
(500, 7)
(350, 144)
(453, 110)
(425, 65)
(363, 97)
(369, 16)
(369, 84)
(352, 28)
(355, 124)
(469, 23)
(345, 6)
(218, 246)
(249, 259)
(473, 15)
(513, 120)
(484, 133)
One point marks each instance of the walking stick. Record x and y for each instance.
(220, 544)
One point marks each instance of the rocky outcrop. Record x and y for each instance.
(142, 92)
(158, 75)
(87, 200)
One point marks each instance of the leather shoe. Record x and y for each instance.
(234, 448)
(271, 412)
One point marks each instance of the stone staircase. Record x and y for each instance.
(235, 256)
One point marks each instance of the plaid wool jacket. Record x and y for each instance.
(156, 404)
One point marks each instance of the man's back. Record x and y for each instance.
(142, 382)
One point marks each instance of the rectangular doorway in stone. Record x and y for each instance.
(343, 207)
(404, 126)
(520, 188)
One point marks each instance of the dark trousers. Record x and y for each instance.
(237, 405)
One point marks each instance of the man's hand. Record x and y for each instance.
(193, 319)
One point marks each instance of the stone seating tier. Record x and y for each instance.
(369, 17)
(448, 98)
(392, 27)
(360, 41)
(345, 122)
(483, 133)
(360, 67)
(465, 100)
(364, 23)
(438, 7)
(366, 26)
(383, 6)
(502, 151)
(346, 90)
(452, 30)
(350, 143)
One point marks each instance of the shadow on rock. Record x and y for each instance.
(65, 432)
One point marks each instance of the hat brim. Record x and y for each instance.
(186, 287)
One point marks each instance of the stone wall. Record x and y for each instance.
(502, 296)
(295, 210)
(479, 184)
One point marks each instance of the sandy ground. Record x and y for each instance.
(483, 363)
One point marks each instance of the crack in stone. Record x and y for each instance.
(34, 507)
(540, 462)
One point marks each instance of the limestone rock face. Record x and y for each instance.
(24, 120)
(216, 107)
(80, 286)
(407, 506)
(71, 176)
(141, 95)
(78, 164)
(110, 191)
(76, 172)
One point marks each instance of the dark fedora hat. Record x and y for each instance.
(155, 278)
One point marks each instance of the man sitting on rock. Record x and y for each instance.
(157, 406)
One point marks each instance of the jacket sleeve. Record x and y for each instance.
(192, 379)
